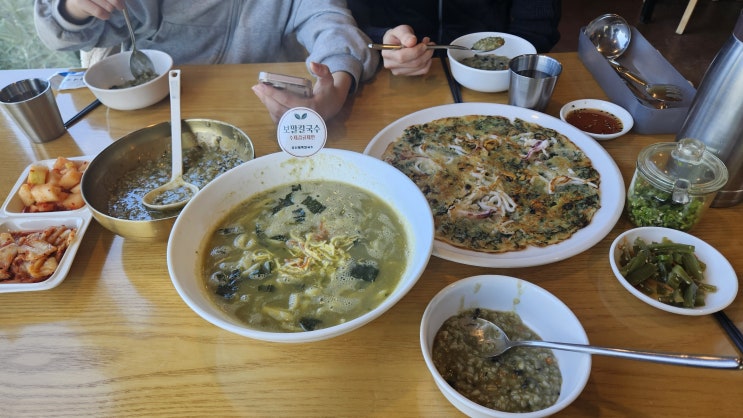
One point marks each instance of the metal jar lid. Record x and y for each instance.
(682, 168)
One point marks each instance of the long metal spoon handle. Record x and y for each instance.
(629, 74)
(668, 358)
(383, 47)
(645, 98)
(129, 25)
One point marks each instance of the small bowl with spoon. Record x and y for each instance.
(130, 80)
(486, 72)
(112, 82)
(538, 309)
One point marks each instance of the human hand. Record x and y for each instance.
(414, 59)
(329, 94)
(80, 10)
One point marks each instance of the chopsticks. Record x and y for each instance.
(733, 332)
(453, 85)
(87, 109)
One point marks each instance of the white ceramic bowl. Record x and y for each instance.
(541, 311)
(602, 105)
(486, 81)
(202, 214)
(719, 272)
(114, 71)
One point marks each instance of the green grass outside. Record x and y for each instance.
(20, 47)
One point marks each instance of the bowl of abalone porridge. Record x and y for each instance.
(487, 71)
(522, 382)
(120, 175)
(113, 83)
(300, 249)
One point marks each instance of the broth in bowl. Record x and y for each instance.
(214, 204)
(305, 256)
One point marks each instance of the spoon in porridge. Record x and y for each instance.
(493, 341)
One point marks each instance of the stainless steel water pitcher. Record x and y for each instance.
(716, 114)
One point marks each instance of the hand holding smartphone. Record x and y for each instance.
(297, 85)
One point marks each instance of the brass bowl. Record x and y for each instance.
(146, 144)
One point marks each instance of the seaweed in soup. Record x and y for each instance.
(299, 215)
(282, 203)
(365, 272)
(313, 205)
(309, 324)
(229, 284)
(310, 256)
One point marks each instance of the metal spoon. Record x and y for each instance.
(383, 47)
(611, 35)
(176, 192)
(494, 342)
(645, 98)
(139, 63)
(667, 92)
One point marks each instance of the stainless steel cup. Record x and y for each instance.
(31, 104)
(533, 79)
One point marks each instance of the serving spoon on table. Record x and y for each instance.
(139, 63)
(611, 35)
(176, 192)
(493, 341)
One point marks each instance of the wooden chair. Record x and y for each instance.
(647, 12)
(685, 18)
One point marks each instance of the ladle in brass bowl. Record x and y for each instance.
(176, 192)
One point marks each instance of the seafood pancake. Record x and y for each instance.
(496, 185)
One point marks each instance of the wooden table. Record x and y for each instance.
(115, 339)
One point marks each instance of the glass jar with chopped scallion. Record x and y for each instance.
(648, 205)
(674, 183)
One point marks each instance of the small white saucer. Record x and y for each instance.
(602, 105)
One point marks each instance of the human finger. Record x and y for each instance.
(100, 9)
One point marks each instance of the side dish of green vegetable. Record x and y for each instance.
(666, 271)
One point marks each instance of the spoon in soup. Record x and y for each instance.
(176, 192)
(492, 341)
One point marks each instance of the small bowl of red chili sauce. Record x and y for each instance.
(598, 118)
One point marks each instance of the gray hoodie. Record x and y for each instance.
(222, 32)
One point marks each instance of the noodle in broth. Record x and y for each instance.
(305, 256)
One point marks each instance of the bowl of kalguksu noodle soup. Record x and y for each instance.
(291, 249)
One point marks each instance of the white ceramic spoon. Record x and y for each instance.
(176, 192)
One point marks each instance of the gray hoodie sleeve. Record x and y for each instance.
(60, 34)
(329, 32)
(223, 31)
